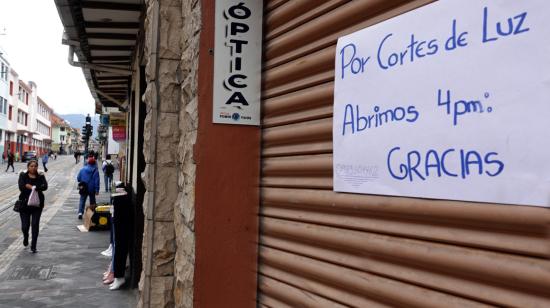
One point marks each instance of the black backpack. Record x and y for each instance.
(109, 169)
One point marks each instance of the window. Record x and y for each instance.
(4, 72)
(62, 129)
(22, 117)
(3, 105)
(21, 94)
(42, 128)
(10, 112)
(11, 87)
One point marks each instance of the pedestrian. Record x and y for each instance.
(10, 162)
(88, 179)
(45, 158)
(76, 157)
(30, 215)
(108, 170)
(3, 157)
(85, 158)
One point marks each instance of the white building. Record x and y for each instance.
(40, 123)
(28, 118)
(4, 93)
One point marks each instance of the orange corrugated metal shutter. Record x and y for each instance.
(324, 249)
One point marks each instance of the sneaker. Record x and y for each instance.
(25, 242)
(79, 215)
(108, 252)
(117, 284)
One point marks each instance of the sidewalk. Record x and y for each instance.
(67, 269)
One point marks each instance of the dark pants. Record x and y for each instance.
(30, 217)
(45, 168)
(12, 168)
(83, 201)
(121, 233)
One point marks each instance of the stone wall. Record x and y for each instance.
(170, 133)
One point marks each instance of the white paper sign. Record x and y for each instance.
(237, 62)
(449, 101)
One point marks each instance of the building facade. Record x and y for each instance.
(28, 124)
(42, 130)
(23, 101)
(4, 95)
(61, 134)
(72, 140)
(246, 216)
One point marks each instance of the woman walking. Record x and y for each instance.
(30, 215)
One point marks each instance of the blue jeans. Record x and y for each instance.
(108, 180)
(83, 201)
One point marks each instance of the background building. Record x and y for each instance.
(4, 105)
(60, 134)
(72, 140)
(42, 126)
(11, 133)
(28, 123)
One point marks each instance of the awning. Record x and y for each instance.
(103, 35)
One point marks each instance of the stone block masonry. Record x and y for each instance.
(171, 50)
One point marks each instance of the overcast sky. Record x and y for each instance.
(32, 42)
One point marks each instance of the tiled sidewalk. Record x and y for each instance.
(67, 270)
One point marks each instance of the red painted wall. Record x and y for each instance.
(12, 146)
(226, 196)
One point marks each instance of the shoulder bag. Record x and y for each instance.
(19, 205)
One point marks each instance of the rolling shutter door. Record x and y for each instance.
(324, 249)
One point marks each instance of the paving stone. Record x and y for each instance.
(67, 269)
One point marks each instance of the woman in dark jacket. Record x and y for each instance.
(30, 215)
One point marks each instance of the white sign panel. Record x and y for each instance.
(237, 62)
(449, 101)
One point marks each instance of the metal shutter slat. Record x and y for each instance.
(437, 252)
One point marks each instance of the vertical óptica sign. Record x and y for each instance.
(237, 62)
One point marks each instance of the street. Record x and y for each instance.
(66, 271)
(60, 173)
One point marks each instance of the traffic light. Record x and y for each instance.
(90, 130)
(87, 132)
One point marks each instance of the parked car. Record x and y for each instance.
(28, 155)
